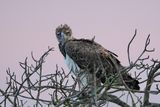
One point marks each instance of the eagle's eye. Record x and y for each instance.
(67, 32)
(58, 33)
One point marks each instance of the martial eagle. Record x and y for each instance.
(88, 56)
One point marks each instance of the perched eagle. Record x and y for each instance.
(84, 55)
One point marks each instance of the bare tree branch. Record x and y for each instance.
(63, 89)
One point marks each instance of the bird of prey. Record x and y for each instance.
(85, 55)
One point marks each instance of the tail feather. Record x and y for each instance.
(131, 82)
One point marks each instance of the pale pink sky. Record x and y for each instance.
(28, 25)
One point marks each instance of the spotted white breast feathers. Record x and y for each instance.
(74, 68)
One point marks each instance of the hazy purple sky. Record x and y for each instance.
(29, 25)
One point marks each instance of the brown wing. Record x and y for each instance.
(92, 56)
(89, 55)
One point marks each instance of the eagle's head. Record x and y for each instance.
(63, 33)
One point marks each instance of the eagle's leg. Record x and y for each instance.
(95, 88)
(94, 85)
(82, 81)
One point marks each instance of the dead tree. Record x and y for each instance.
(62, 88)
